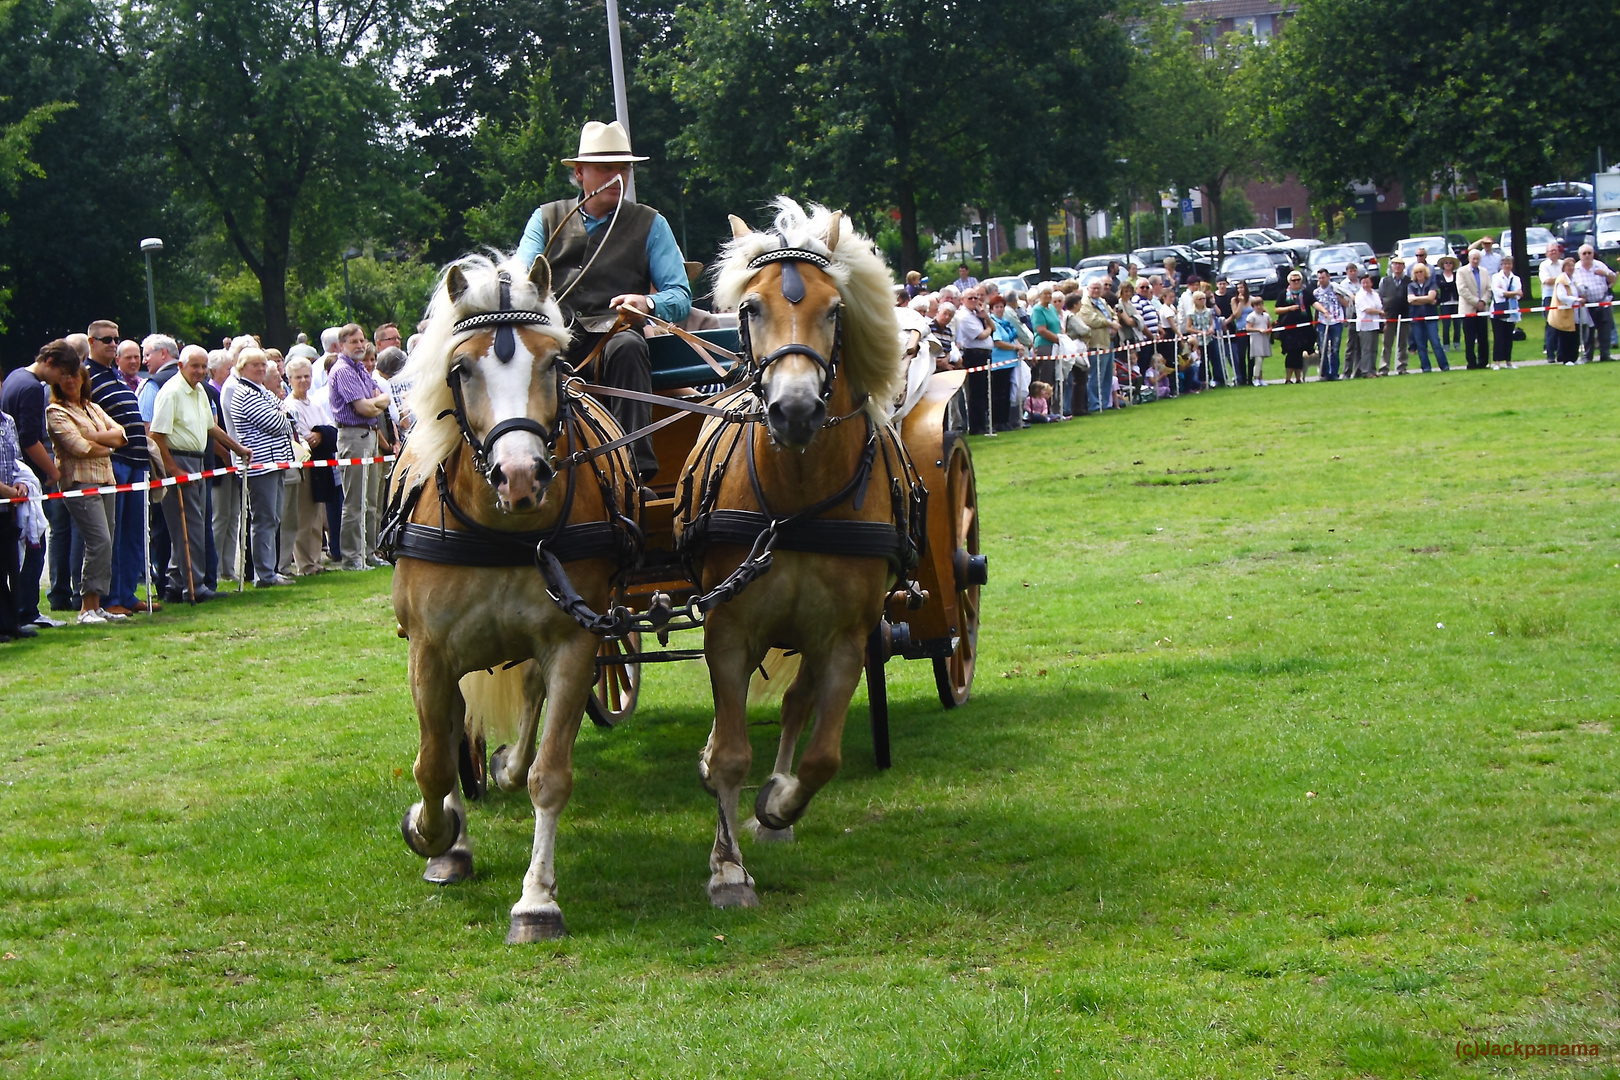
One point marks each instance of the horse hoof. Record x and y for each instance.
(416, 843)
(733, 895)
(767, 835)
(451, 868)
(765, 818)
(497, 770)
(531, 926)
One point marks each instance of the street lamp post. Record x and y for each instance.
(348, 305)
(149, 245)
(1128, 214)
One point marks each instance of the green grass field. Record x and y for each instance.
(1292, 753)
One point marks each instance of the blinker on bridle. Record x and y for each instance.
(503, 321)
(793, 293)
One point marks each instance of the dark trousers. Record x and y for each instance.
(59, 556)
(205, 492)
(128, 539)
(1450, 329)
(1240, 357)
(1001, 410)
(1599, 333)
(334, 524)
(160, 543)
(624, 363)
(978, 390)
(1474, 345)
(1569, 345)
(9, 572)
(1502, 341)
(185, 508)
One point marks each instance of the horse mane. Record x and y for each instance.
(871, 351)
(435, 437)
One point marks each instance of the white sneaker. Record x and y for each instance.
(91, 618)
(109, 616)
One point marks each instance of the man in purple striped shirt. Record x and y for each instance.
(357, 405)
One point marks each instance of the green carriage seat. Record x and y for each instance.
(677, 365)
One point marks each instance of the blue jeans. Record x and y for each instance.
(1424, 334)
(1098, 380)
(129, 539)
(1329, 340)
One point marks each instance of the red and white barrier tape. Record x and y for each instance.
(205, 474)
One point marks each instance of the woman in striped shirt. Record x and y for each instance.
(258, 421)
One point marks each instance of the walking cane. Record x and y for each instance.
(241, 536)
(185, 540)
(146, 541)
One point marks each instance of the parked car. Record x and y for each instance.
(1278, 238)
(1265, 272)
(1436, 246)
(1336, 257)
(1091, 261)
(1458, 243)
(1536, 239)
(1608, 235)
(1572, 232)
(1234, 241)
(1187, 258)
(1369, 261)
(1555, 202)
(1031, 278)
(1005, 285)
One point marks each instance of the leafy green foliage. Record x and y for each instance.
(898, 105)
(281, 115)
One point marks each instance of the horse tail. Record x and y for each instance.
(776, 674)
(495, 703)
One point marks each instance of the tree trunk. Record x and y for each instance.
(1043, 244)
(1085, 234)
(984, 228)
(910, 248)
(1518, 214)
(1212, 203)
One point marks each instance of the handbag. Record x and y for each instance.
(1561, 318)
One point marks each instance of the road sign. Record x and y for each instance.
(1186, 210)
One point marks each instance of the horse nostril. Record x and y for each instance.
(496, 476)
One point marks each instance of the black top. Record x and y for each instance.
(22, 397)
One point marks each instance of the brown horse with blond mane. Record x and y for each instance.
(485, 478)
(823, 485)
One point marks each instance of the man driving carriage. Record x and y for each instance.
(608, 253)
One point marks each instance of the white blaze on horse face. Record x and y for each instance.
(516, 457)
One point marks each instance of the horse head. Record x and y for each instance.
(814, 311)
(501, 361)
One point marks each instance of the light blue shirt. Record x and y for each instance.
(146, 397)
(672, 297)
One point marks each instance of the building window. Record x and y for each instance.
(1259, 27)
(1285, 217)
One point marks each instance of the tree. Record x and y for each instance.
(1359, 90)
(281, 114)
(896, 105)
(1197, 128)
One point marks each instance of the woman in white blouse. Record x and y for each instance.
(1508, 289)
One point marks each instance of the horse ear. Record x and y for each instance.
(456, 283)
(832, 230)
(540, 275)
(738, 228)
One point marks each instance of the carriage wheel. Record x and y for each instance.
(617, 684)
(953, 674)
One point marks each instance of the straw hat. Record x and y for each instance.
(605, 144)
(1452, 259)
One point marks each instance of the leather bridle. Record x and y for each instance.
(505, 349)
(793, 293)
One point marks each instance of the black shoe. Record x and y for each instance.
(25, 632)
(205, 593)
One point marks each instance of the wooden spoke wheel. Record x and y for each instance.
(618, 683)
(953, 674)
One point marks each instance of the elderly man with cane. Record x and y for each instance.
(182, 426)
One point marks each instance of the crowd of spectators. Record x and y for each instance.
(93, 410)
(1062, 350)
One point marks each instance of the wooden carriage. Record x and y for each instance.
(939, 621)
